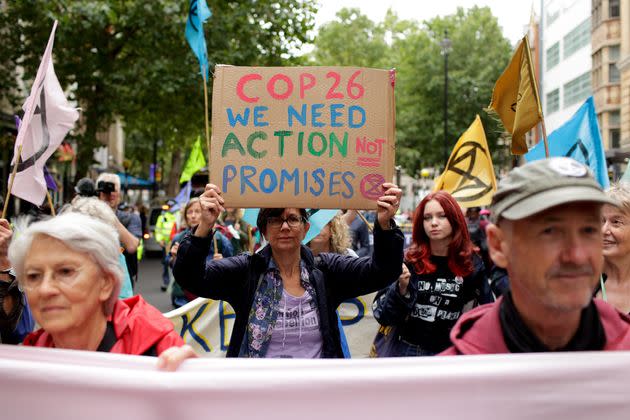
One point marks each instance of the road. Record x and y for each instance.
(150, 280)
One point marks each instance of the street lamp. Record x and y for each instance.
(446, 47)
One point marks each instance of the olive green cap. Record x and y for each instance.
(543, 184)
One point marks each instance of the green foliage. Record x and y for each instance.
(478, 54)
(130, 59)
(352, 40)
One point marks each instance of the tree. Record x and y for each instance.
(129, 59)
(478, 55)
(351, 40)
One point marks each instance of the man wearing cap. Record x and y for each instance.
(546, 231)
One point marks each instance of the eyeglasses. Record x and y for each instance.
(64, 276)
(276, 222)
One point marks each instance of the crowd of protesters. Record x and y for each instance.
(545, 268)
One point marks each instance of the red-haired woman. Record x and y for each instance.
(444, 277)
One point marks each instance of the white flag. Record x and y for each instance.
(47, 119)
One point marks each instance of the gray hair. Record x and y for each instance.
(109, 177)
(620, 192)
(92, 206)
(80, 233)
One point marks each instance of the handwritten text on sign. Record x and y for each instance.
(318, 137)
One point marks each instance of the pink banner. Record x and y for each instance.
(62, 384)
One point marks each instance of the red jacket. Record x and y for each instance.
(479, 331)
(138, 327)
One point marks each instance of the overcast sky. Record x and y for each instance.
(513, 15)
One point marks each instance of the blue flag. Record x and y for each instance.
(182, 198)
(579, 139)
(317, 218)
(197, 15)
(251, 216)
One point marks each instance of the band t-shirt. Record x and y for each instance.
(441, 298)
(296, 333)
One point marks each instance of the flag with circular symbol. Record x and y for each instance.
(579, 139)
(469, 174)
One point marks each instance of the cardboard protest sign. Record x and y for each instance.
(312, 137)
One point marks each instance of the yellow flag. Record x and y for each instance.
(515, 97)
(469, 175)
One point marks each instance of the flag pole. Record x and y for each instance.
(205, 97)
(205, 100)
(216, 248)
(6, 198)
(544, 133)
(50, 203)
(532, 76)
(365, 221)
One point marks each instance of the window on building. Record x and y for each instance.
(615, 137)
(553, 101)
(597, 69)
(553, 55)
(614, 51)
(597, 58)
(613, 73)
(552, 17)
(614, 118)
(579, 37)
(613, 8)
(577, 89)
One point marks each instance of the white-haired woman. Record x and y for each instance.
(615, 284)
(92, 206)
(69, 269)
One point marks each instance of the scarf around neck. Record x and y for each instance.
(264, 311)
(589, 336)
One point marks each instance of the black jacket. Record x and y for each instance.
(426, 317)
(334, 277)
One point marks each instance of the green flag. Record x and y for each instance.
(195, 161)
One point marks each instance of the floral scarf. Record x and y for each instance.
(263, 314)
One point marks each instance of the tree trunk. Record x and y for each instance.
(176, 170)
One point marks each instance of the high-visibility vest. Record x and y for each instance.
(163, 226)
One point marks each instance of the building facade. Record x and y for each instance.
(606, 52)
(624, 69)
(565, 58)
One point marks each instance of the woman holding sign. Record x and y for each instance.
(284, 298)
(442, 278)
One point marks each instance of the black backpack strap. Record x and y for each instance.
(109, 339)
(151, 351)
